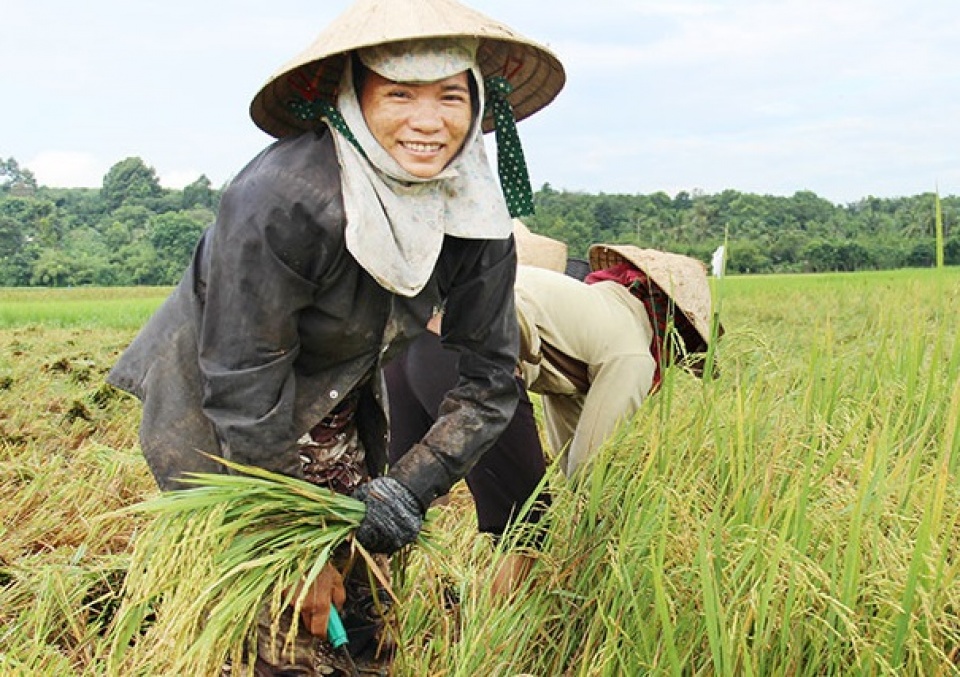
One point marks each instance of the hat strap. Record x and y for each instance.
(320, 109)
(511, 166)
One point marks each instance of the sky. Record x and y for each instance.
(845, 98)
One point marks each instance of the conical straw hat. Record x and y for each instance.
(538, 250)
(682, 278)
(535, 73)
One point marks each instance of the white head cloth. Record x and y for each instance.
(396, 221)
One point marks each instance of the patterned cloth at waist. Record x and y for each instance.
(331, 453)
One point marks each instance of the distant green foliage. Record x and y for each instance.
(767, 233)
(13, 177)
(132, 231)
(130, 180)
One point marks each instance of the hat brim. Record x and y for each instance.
(538, 250)
(534, 72)
(682, 278)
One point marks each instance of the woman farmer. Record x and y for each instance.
(510, 472)
(595, 351)
(331, 250)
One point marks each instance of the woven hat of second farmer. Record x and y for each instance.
(682, 278)
(534, 73)
(538, 250)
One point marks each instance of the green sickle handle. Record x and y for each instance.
(337, 636)
(336, 633)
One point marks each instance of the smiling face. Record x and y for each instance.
(421, 126)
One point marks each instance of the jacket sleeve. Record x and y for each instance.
(480, 323)
(618, 387)
(255, 287)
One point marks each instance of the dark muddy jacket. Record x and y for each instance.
(274, 323)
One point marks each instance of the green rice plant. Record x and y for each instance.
(126, 308)
(938, 223)
(215, 556)
(797, 515)
(716, 291)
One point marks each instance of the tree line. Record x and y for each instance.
(132, 231)
(763, 233)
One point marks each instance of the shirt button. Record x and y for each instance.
(334, 394)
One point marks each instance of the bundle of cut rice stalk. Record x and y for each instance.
(217, 555)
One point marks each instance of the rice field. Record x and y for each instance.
(797, 515)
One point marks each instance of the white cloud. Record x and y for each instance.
(743, 94)
(783, 36)
(67, 169)
(842, 158)
(178, 178)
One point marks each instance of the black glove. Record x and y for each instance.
(394, 516)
